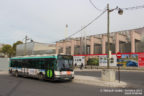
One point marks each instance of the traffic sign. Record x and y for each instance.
(118, 55)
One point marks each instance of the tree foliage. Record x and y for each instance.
(14, 46)
(93, 61)
(10, 50)
(7, 50)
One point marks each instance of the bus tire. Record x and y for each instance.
(16, 74)
(41, 77)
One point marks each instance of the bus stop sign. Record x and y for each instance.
(118, 55)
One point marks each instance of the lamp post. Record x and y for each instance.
(26, 38)
(120, 12)
(108, 36)
(25, 46)
(109, 74)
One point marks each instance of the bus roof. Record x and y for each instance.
(35, 56)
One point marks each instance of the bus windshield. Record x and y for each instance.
(65, 64)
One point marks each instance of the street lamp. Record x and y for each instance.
(25, 46)
(120, 12)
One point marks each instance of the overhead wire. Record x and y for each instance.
(133, 8)
(94, 5)
(128, 8)
(87, 24)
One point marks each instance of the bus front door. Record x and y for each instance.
(49, 71)
(50, 68)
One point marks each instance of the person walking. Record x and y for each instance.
(81, 66)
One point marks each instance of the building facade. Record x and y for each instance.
(128, 41)
(35, 48)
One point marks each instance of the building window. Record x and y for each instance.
(60, 50)
(88, 49)
(97, 49)
(77, 50)
(68, 50)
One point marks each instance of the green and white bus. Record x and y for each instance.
(52, 67)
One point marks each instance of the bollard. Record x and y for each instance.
(119, 73)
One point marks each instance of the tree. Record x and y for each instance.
(7, 50)
(10, 50)
(93, 61)
(14, 46)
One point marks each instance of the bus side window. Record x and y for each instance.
(46, 63)
(30, 63)
(42, 63)
(33, 64)
(26, 63)
(49, 63)
(54, 63)
(20, 63)
(23, 63)
(16, 63)
(11, 63)
(37, 65)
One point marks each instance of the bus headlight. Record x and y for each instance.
(57, 73)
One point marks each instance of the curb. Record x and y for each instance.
(115, 69)
(98, 82)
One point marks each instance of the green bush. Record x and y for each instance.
(93, 61)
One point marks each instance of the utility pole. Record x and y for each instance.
(66, 31)
(25, 49)
(64, 41)
(25, 44)
(84, 42)
(108, 36)
(120, 12)
(109, 74)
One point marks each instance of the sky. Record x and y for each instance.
(45, 20)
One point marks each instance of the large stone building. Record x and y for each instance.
(35, 48)
(128, 41)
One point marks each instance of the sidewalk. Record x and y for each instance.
(3, 72)
(77, 69)
(98, 82)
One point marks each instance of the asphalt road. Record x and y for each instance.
(134, 79)
(12, 86)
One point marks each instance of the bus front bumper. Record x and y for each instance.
(64, 77)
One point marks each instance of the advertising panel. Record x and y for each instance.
(128, 60)
(141, 60)
(78, 60)
(125, 60)
(93, 60)
(103, 60)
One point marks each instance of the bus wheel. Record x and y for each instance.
(16, 73)
(40, 77)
